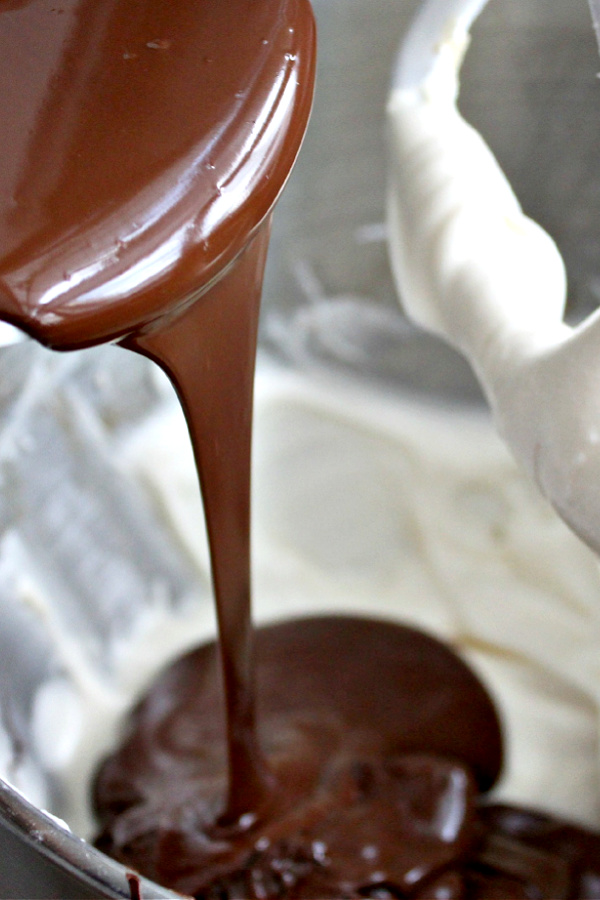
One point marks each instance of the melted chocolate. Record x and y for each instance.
(209, 354)
(143, 146)
(375, 735)
(146, 147)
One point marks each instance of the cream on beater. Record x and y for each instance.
(472, 267)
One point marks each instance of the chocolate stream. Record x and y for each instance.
(209, 355)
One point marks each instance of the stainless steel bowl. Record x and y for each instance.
(82, 548)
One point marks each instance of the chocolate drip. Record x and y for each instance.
(142, 145)
(373, 731)
(142, 155)
(209, 353)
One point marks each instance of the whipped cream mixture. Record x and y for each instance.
(391, 508)
(473, 268)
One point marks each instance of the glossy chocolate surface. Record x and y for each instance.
(142, 142)
(209, 353)
(375, 736)
(373, 733)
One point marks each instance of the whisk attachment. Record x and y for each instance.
(471, 267)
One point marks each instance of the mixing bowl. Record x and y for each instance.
(102, 544)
